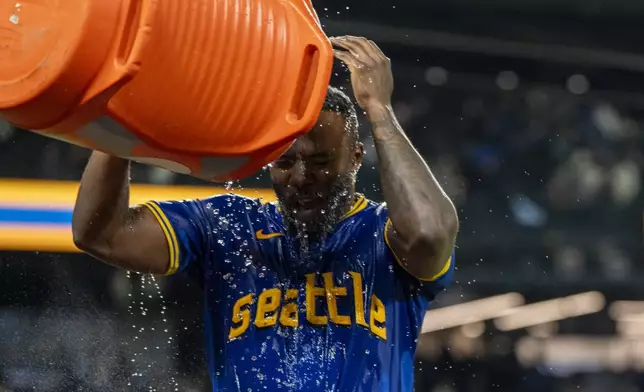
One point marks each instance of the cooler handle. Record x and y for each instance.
(314, 74)
(135, 25)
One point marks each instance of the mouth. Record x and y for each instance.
(307, 202)
(306, 207)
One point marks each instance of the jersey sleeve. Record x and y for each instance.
(186, 225)
(429, 287)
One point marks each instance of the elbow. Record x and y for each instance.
(437, 245)
(423, 249)
(81, 240)
(80, 234)
(88, 242)
(436, 241)
(449, 229)
(94, 247)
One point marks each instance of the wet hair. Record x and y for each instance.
(338, 102)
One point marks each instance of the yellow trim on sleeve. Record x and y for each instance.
(442, 272)
(170, 236)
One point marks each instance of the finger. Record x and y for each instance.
(363, 43)
(382, 57)
(353, 48)
(372, 51)
(376, 49)
(347, 59)
(346, 45)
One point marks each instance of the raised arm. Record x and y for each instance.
(423, 222)
(106, 227)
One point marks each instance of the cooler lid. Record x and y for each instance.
(49, 52)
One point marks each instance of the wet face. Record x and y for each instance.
(315, 179)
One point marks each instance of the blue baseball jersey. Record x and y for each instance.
(340, 315)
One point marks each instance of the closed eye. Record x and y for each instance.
(321, 162)
(319, 159)
(284, 163)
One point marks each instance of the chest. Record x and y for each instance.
(254, 251)
(268, 283)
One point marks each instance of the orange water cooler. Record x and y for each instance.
(212, 88)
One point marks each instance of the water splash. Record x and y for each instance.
(150, 291)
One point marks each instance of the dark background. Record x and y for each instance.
(530, 115)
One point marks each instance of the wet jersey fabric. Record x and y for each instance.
(341, 315)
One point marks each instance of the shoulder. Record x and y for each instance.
(210, 209)
(231, 201)
(220, 201)
(365, 222)
(373, 211)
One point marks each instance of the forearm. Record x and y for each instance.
(420, 211)
(102, 204)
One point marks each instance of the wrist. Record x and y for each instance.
(384, 125)
(379, 112)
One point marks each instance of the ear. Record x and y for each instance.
(358, 154)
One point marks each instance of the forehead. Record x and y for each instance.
(327, 135)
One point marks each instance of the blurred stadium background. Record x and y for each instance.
(530, 114)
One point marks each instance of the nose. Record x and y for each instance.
(299, 175)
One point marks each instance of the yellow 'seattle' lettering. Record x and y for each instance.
(274, 306)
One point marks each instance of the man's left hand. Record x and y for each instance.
(371, 77)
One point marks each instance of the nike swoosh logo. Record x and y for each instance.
(264, 236)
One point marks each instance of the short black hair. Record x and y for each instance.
(337, 101)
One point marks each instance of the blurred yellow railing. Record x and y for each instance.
(31, 197)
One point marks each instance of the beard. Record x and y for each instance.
(307, 238)
(339, 200)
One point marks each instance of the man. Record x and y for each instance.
(322, 291)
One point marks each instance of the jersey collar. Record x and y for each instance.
(359, 205)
